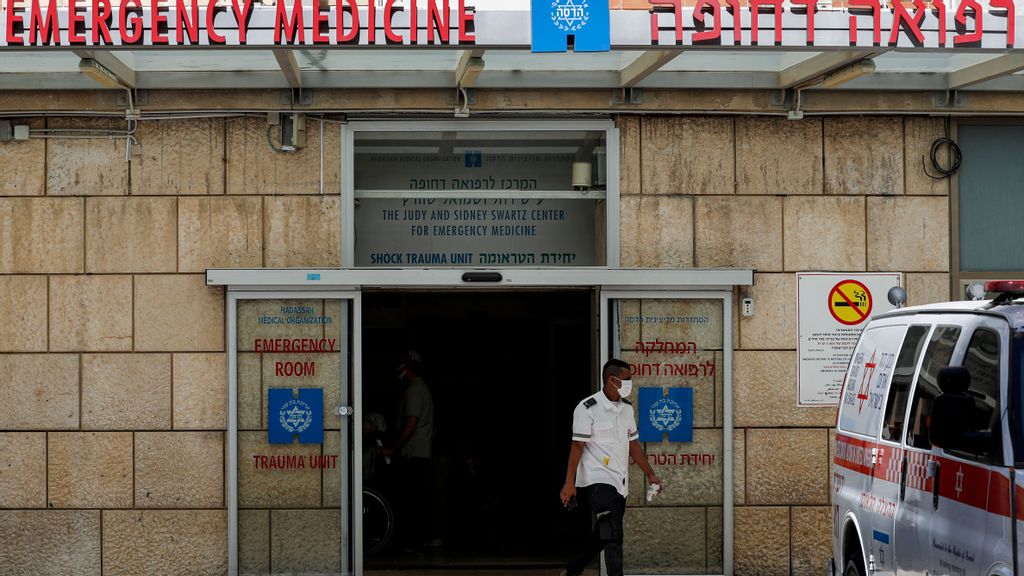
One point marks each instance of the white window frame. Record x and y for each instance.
(349, 193)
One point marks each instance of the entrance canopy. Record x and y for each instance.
(646, 279)
(762, 44)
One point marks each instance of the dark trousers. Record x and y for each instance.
(608, 507)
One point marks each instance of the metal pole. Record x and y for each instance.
(231, 466)
(344, 470)
(727, 447)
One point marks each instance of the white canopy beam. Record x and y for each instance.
(820, 65)
(118, 69)
(987, 70)
(471, 64)
(648, 63)
(289, 67)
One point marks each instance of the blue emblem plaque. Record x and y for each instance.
(660, 414)
(587, 21)
(289, 416)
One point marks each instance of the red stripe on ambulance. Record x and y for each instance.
(970, 484)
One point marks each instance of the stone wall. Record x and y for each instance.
(821, 194)
(112, 348)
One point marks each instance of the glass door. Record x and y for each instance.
(679, 344)
(293, 389)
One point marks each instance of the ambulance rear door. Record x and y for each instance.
(971, 533)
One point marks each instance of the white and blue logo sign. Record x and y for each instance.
(661, 414)
(289, 416)
(554, 21)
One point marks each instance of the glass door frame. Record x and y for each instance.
(350, 467)
(611, 283)
(726, 297)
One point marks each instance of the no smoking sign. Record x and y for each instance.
(832, 309)
(850, 302)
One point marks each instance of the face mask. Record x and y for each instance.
(626, 388)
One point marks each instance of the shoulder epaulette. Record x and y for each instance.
(589, 402)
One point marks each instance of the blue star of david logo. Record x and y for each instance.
(660, 414)
(666, 414)
(289, 416)
(568, 15)
(588, 22)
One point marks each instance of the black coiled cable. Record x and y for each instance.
(942, 172)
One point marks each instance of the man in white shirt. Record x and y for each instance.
(604, 438)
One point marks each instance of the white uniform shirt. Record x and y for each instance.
(606, 429)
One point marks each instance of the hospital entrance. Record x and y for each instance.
(504, 370)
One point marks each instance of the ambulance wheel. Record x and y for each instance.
(852, 568)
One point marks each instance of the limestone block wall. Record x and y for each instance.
(112, 348)
(841, 193)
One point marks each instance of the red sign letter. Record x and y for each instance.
(434, 20)
(241, 16)
(211, 30)
(47, 28)
(812, 9)
(289, 25)
(353, 32)
(320, 18)
(873, 4)
(961, 20)
(677, 10)
(101, 17)
(75, 23)
(186, 23)
(465, 18)
(131, 28)
(755, 11)
(1010, 14)
(156, 22)
(698, 18)
(900, 15)
(12, 19)
(389, 13)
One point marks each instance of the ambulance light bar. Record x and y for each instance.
(1013, 287)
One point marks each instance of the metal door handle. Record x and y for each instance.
(903, 479)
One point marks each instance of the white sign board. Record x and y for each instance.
(490, 224)
(452, 232)
(832, 310)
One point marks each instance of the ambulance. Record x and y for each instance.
(929, 438)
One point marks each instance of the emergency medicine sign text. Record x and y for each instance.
(541, 25)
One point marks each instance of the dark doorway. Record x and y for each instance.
(505, 370)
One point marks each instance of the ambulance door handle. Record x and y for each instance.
(903, 479)
(935, 484)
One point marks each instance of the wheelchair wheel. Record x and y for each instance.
(378, 521)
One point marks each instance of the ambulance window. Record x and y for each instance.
(899, 389)
(982, 361)
(936, 357)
